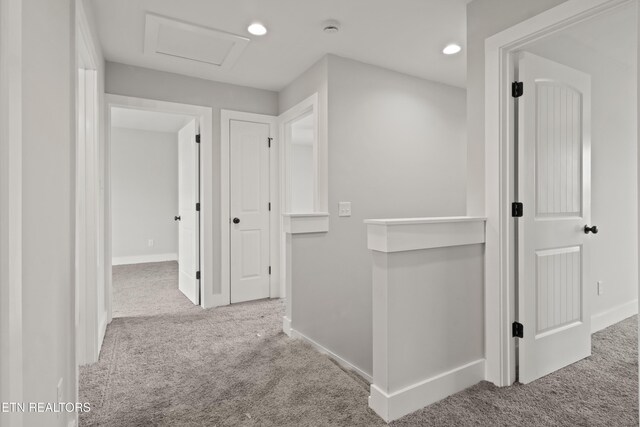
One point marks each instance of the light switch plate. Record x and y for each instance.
(600, 287)
(344, 209)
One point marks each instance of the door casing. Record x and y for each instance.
(499, 174)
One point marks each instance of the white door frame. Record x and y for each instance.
(224, 297)
(11, 366)
(88, 202)
(205, 118)
(499, 253)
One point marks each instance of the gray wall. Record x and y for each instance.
(484, 19)
(145, 83)
(144, 194)
(614, 169)
(396, 149)
(48, 130)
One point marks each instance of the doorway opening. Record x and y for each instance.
(576, 174)
(155, 187)
(562, 117)
(158, 165)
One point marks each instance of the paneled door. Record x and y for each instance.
(554, 184)
(249, 215)
(189, 217)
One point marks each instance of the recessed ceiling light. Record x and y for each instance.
(257, 29)
(451, 49)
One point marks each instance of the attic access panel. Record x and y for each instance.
(190, 42)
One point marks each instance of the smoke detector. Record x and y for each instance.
(331, 26)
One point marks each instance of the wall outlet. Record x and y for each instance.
(344, 209)
(150, 243)
(600, 287)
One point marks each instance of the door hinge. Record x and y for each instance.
(517, 209)
(197, 275)
(269, 206)
(517, 330)
(517, 89)
(269, 141)
(198, 138)
(197, 207)
(269, 269)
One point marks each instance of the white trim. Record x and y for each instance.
(101, 333)
(399, 235)
(224, 298)
(308, 105)
(205, 118)
(87, 200)
(305, 223)
(286, 326)
(614, 315)
(391, 406)
(142, 259)
(426, 220)
(11, 328)
(499, 278)
(317, 221)
(323, 350)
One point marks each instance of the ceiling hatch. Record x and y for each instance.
(190, 42)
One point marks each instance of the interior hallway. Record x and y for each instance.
(167, 362)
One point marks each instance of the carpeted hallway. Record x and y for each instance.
(166, 362)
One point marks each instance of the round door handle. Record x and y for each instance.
(177, 218)
(236, 220)
(593, 229)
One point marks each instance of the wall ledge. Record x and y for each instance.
(408, 234)
(300, 223)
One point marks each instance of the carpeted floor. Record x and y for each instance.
(170, 363)
(133, 296)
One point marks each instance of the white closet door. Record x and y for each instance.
(249, 210)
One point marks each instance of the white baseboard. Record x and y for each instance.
(614, 315)
(219, 301)
(345, 364)
(101, 333)
(286, 325)
(141, 259)
(402, 402)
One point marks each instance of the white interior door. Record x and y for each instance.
(555, 186)
(189, 217)
(249, 216)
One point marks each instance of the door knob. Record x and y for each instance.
(236, 220)
(177, 218)
(593, 229)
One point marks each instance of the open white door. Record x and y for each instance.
(554, 175)
(250, 205)
(189, 215)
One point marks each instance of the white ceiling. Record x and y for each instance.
(148, 120)
(612, 36)
(402, 35)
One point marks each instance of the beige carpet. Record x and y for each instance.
(170, 363)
